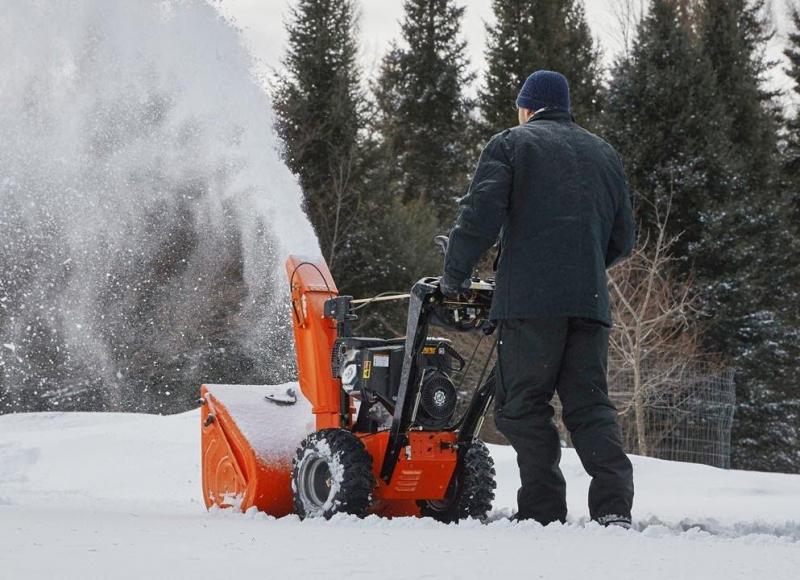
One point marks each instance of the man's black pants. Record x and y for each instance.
(536, 358)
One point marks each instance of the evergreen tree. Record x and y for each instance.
(423, 114)
(538, 34)
(784, 403)
(750, 246)
(664, 117)
(733, 34)
(792, 157)
(688, 113)
(320, 114)
(791, 153)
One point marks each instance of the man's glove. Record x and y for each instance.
(452, 290)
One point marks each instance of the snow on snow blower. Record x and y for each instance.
(373, 428)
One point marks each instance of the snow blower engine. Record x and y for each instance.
(385, 436)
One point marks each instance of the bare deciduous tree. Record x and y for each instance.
(627, 13)
(653, 337)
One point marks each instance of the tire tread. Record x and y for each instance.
(355, 490)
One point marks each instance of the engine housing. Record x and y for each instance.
(370, 370)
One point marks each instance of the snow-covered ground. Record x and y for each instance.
(88, 495)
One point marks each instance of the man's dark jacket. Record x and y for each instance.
(557, 196)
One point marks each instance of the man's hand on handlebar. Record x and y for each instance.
(454, 291)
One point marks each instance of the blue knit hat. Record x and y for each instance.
(544, 89)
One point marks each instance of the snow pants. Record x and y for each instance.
(537, 358)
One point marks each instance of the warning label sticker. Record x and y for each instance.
(367, 369)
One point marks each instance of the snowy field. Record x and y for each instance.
(88, 496)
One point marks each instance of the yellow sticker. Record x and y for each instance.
(367, 369)
(429, 350)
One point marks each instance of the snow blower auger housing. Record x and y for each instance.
(385, 437)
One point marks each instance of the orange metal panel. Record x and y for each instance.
(311, 285)
(424, 469)
(233, 475)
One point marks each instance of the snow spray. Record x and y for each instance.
(144, 211)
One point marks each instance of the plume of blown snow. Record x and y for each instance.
(144, 209)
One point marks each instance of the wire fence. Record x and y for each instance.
(680, 412)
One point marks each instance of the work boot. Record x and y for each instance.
(615, 520)
(518, 517)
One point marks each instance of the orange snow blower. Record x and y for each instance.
(374, 426)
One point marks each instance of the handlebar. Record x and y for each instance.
(441, 242)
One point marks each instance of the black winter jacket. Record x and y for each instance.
(557, 196)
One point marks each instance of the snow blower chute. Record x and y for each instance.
(374, 426)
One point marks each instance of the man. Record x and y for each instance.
(557, 196)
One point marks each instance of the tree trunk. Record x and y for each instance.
(639, 410)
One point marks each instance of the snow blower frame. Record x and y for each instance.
(386, 437)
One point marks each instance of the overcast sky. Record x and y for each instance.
(262, 23)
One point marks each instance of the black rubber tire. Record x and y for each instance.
(347, 484)
(472, 491)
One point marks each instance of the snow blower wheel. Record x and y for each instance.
(471, 492)
(332, 473)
